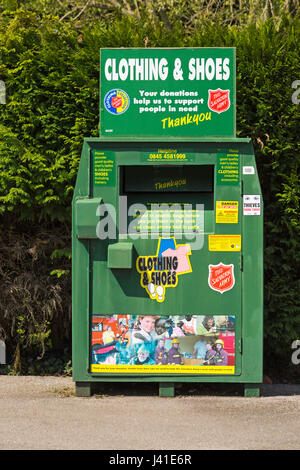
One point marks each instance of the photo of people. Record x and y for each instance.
(160, 353)
(144, 327)
(209, 358)
(136, 340)
(143, 356)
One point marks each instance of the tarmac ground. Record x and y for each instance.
(43, 413)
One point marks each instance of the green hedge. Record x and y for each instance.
(51, 72)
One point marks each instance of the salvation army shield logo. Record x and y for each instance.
(218, 100)
(116, 102)
(221, 277)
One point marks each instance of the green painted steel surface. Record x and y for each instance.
(86, 217)
(105, 285)
(252, 390)
(120, 256)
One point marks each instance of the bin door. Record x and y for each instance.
(192, 290)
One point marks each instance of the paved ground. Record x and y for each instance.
(43, 413)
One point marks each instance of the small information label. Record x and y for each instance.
(227, 212)
(104, 168)
(248, 170)
(251, 204)
(224, 242)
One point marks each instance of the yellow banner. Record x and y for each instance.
(131, 369)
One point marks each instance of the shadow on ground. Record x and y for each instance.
(191, 389)
(181, 389)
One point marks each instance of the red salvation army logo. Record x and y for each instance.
(218, 100)
(116, 102)
(221, 277)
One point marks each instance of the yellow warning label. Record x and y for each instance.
(227, 212)
(224, 242)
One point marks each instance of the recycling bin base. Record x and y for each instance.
(251, 390)
(166, 390)
(83, 389)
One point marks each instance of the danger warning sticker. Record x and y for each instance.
(227, 212)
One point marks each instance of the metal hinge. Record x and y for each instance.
(241, 346)
(242, 262)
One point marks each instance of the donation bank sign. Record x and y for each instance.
(171, 92)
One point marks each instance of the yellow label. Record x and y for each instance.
(224, 242)
(131, 369)
(227, 212)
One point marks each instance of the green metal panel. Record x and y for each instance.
(120, 256)
(106, 281)
(86, 218)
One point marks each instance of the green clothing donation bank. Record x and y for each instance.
(167, 228)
